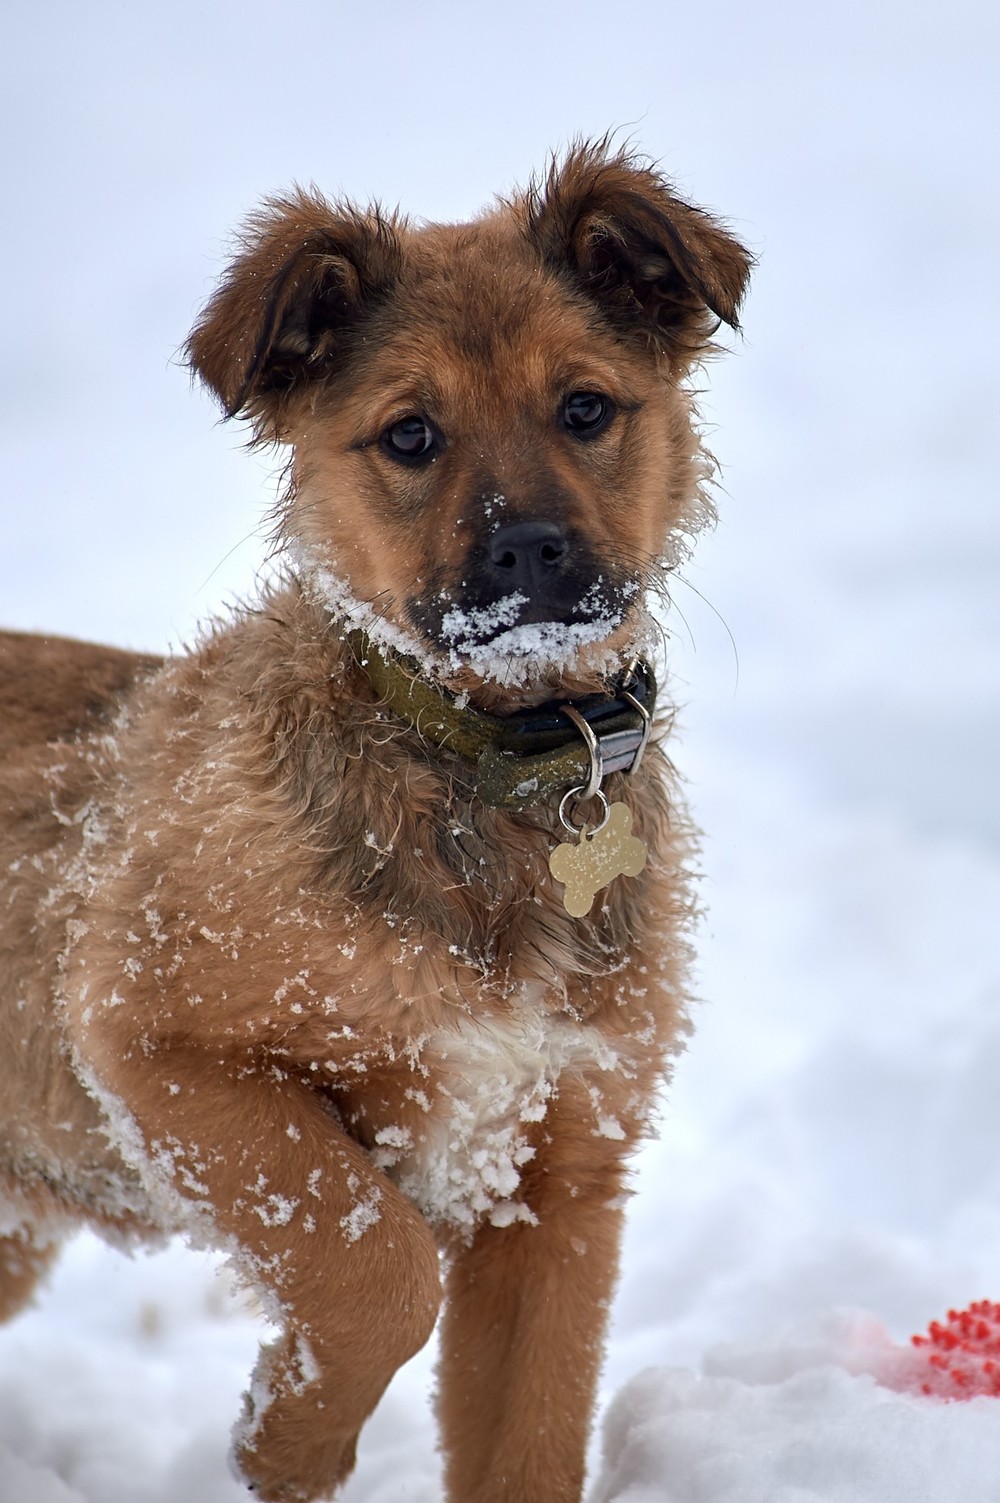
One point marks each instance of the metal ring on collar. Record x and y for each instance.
(647, 726)
(581, 795)
(596, 778)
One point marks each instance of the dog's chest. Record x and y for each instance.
(462, 1142)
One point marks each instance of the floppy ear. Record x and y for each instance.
(654, 263)
(288, 303)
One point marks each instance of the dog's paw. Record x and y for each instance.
(282, 1477)
(285, 1449)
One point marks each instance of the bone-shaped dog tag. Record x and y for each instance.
(596, 859)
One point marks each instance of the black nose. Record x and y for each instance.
(525, 555)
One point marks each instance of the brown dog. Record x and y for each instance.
(283, 965)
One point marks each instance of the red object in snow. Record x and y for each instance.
(962, 1353)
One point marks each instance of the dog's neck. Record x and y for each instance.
(526, 757)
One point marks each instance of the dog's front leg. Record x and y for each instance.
(349, 1266)
(522, 1333)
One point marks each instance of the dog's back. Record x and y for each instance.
(56, 697)
(55, 689)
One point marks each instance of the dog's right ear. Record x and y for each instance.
(306, 275)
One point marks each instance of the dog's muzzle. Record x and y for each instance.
(527, 572)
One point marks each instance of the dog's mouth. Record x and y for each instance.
(541, 597)
(517, 623)
(510, 636)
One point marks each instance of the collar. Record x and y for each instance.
(522, 759)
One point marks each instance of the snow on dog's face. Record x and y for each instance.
(494, 455)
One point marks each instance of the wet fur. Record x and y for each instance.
(263, 953)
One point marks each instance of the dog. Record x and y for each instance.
(353, 942)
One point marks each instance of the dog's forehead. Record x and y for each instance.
(489, 258)
(484, 289)
(477, 305)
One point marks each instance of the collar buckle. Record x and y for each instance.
(615, 751)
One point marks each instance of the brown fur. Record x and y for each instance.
(261, 948)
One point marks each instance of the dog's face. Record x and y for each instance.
(493, 446)
(489, 474)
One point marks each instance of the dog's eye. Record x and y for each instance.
(412, 438)
(585, 414)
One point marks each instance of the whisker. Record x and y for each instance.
(720, 618)
(253, 533)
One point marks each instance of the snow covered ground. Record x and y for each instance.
(830, 1142)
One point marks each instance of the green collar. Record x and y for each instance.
(523, 759)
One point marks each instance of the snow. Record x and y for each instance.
(513, 656)
(818, 1434)
(469, 1163)
(829, 1144)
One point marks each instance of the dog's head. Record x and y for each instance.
(493, 450)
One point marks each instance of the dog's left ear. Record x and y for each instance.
(654, 263)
